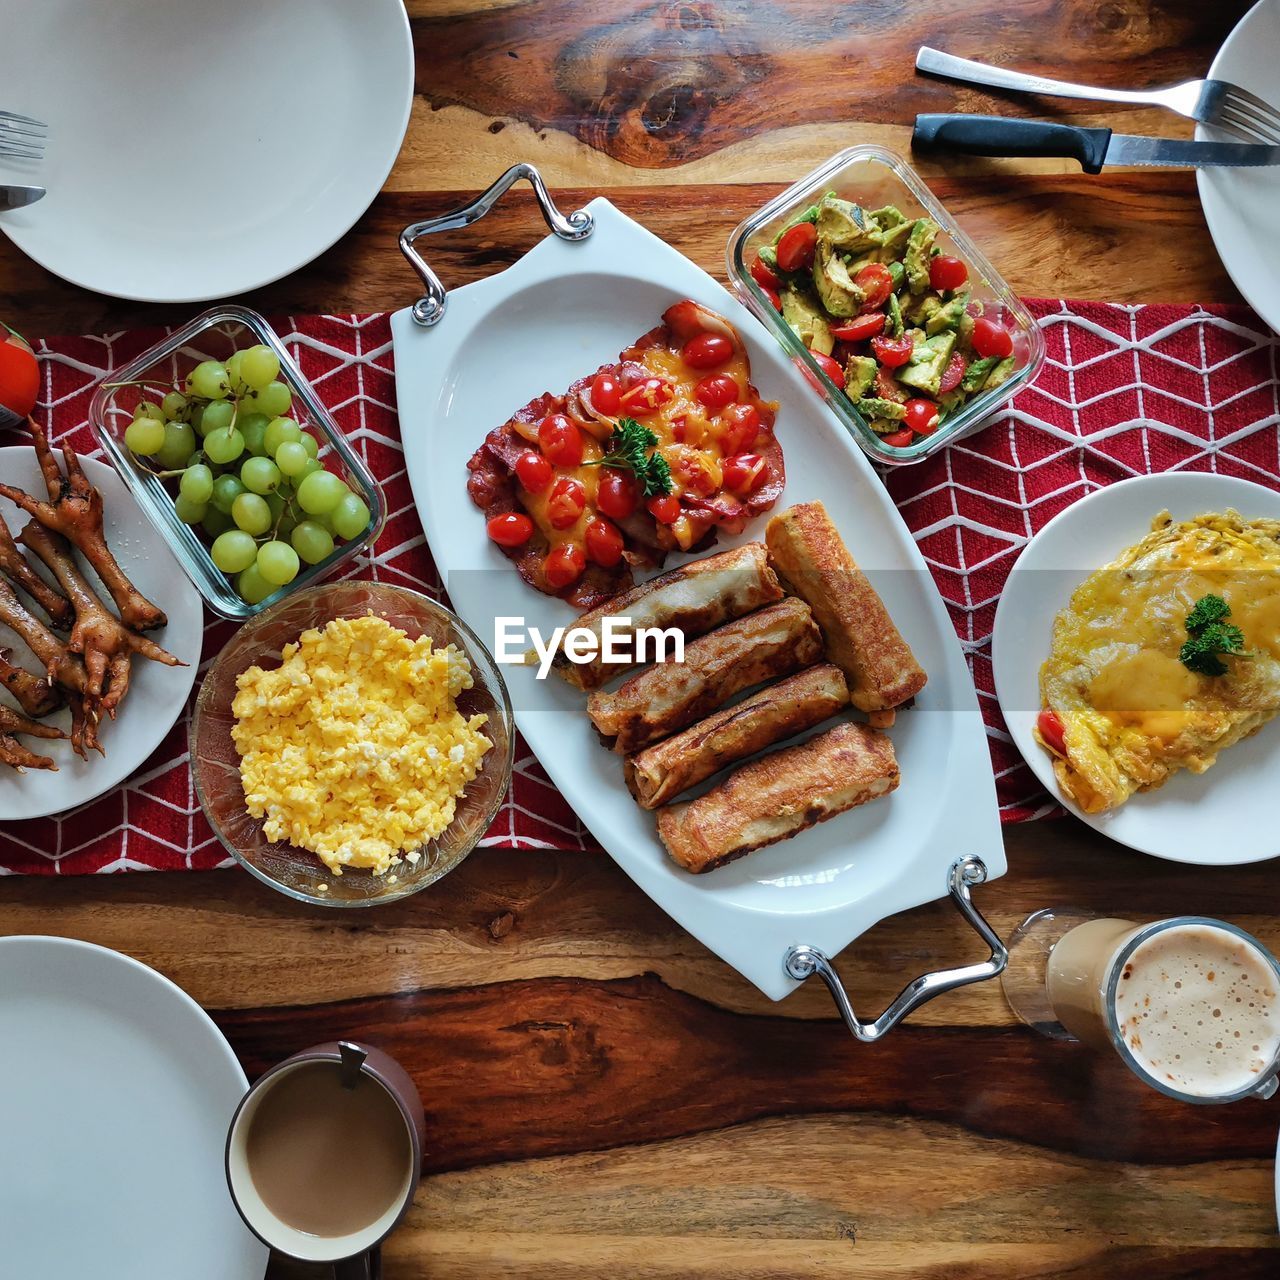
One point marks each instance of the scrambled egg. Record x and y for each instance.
(353, 747)
(1132, 713)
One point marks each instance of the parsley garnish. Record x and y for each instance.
(1209, 636)
(629, 451)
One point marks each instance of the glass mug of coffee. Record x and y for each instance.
(324, 1153)
(1192, 1005)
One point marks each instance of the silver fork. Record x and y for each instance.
(1219, 103)
(21, 137)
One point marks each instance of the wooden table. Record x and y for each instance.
(605, 1098)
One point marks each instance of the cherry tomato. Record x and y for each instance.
(876, 284)
(922, 417)
(534, 471)
(795, 249)
(561, 440)
(888, 387)
(606, 394)
(707, 351)
(741, 428)
(564, 566)
(860, 327)
(947, 273)
(1052, 731)
(697, 474)
(566, 503)
(899, 439)
(772, 294)
(745, 472)
(511, 530)
(646, 397)
(893, 353)
(717, 391)
(604, 542)
(763, 274)
(617, 494)
(952, 374)
(829, 367)
(991, 339)
(666, 509)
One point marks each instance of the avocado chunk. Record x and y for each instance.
(919, 311)
(805, 316)
(948, 315)
(895, 316)
(949, 401)
(769, 256)
(859, 376)
(875, 407)
(888, 216)
(1001, 373)
(839, 295)
(976, 374)
(916, 257)
(897, 274)
(892, 240)
(928, 363)
(845, 225)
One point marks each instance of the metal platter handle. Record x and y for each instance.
(804, 961)
(575, 226)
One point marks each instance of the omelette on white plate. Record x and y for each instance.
(1164, 658)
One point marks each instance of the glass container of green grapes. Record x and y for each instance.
(227, 448)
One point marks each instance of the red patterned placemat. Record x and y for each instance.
(1126, 390)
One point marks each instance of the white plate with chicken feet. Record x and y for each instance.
(114, 672)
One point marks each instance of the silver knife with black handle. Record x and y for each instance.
(1094, 148)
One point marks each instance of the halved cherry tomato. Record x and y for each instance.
(795, 249)
(647, 397)
(606, 394)
(1052, 731)
(772, 294)
(888, 387)
(617, 493)
(829, 367)
(876, 284)
(763, 274)
(707, 351)
(564, 565)
(741, 428)
(513, 529)
(745, 473)
(991, 339)
(860, 327)
(717, 391)
(952, 374)
(922, 417)
(665, 509)
(899, 439)
(561, 440)
(893, 353)
(604, 542)
(534, 471)
(566, 503)
(947, 273)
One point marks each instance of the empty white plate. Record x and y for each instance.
(200, 148)
(1216, 818)
(116, 1090)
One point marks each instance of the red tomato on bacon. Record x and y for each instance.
(717, 391)
(567, 502)
(763, 274)
(646, 397)
(510, 530)
(829, 367)
(952, 374)
(666, 509)
(859, 328)
(707, 351)
(564, 566)
(617, 494)
(604, 542)
(795, 249)
(534, 471)
(991, 339)
(745, 473)
(893, 353)
(561, 440)
(606, 394)
(741, 428)
(922, 417)
(876, 284)
(947, 273)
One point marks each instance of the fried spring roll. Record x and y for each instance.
(779, 795)
(670, 696)
(694, 598)
(862, 641)
(663, 771)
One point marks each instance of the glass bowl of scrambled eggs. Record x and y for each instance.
(352, 744)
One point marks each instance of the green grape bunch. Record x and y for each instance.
(246, 473)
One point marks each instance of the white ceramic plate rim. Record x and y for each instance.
(750, 912)
(74, 785)
(1078, 540)
(188, 1019)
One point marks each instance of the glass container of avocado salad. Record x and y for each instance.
(888, 307)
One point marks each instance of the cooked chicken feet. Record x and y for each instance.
(12, 752)
(14, 565)
(35, 696)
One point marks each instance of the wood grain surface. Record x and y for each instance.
(604, 1097)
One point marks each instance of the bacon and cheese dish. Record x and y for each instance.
(353, 747)
(1164, 658)
(648, 455)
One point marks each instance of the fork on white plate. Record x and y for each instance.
(21, 137)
